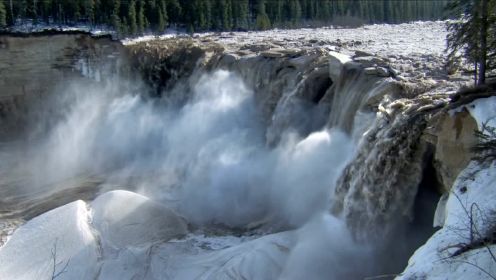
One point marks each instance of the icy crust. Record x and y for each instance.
(55, 243)
(446, 255)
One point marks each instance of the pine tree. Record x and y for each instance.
(241, 14)
(162, 15)
(263, 21)
(131, 18)
(473, 34)
(203, 14)
(3, 15)
(141, 20)
(115, 19)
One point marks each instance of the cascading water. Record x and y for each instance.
(246, 154)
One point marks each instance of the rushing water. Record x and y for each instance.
(208, 159)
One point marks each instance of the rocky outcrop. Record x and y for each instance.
(162, 63)
(454, 137)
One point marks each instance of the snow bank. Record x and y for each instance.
(62, 236)
(472, 195)
(484, 111)
(125, 219)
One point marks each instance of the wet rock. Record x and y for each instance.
(229, 58)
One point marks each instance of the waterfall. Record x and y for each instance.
(376, 191)
(239, 146)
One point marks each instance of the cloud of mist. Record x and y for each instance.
(207, 159)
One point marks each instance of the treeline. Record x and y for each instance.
(139, 16)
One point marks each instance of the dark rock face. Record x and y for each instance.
(31, 67)
(162, 63)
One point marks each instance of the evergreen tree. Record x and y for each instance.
(294, 12)
(132, 19)
(263, 21)
(203, 14)
(136, 16)
(141, 19)
(473, 34)
(241, 14)
(323, 10)
(162, 15)
(174, 10)
(3, 15)
(115, 19)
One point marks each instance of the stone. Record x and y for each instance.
(455, 137)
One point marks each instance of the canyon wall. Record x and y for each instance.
(32, 66)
